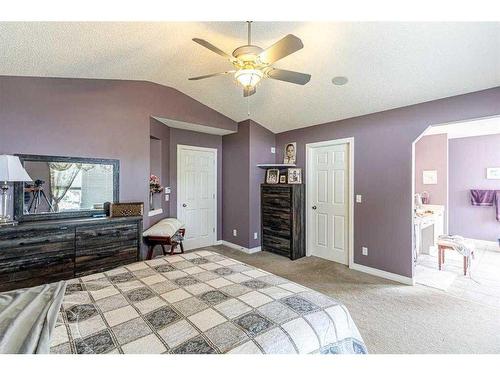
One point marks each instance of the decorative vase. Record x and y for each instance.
(151, 204)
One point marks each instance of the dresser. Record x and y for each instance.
(40, 252)
(283, 220)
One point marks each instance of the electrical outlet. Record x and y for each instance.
(235, 233)
(273, 150)
(364, 250)
(167, 197)
(255, 236)
(359, 198)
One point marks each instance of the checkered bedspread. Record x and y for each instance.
(199, 302)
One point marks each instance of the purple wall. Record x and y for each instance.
(469, 158)
(95, 118)
(261, 141)
(383, 169)
(162, 133)
(235, 185)
(241, 181)
(431, 153)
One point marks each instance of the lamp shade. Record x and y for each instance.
(11, 169)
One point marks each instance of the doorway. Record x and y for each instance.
(197, 194)
(329, 210)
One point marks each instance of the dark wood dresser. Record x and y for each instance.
(39, 252)
(283, 220)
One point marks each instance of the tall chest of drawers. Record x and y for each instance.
(283, 220)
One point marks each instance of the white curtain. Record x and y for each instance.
(62, 176)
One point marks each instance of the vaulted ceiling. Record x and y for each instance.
(388, 65)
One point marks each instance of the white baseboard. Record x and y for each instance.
(384, 274)
(241, 248)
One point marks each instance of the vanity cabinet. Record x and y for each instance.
(40, 252)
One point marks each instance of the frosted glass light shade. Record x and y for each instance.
(248, 77)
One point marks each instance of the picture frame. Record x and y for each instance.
(282, 179)
(290, 154)
(272, 176)
(429, 177)
(294, 175)
(493, 173)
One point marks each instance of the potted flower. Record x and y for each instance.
(154, 188)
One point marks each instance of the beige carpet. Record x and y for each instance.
(392, 318)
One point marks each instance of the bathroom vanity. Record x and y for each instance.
(429, 224)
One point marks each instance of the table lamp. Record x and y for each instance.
(11, 170)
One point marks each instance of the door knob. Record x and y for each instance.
(184, 205)
(314, 207)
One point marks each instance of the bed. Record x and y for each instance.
(198, 302)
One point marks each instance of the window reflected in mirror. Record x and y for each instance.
(66, 186)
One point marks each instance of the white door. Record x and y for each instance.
(328, 206)
(196, 200)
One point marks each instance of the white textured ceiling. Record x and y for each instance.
(389, 65)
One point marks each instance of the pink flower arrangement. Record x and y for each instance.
(154, 184)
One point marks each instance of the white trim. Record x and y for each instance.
(241, 248)
(194, 127)
(155, 212)
(206, 149)
(382, 274)
(309, 148)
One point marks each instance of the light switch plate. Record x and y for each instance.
(273, 150)
(359, 198)
(235, 232)
(255, 236)
(364, 250)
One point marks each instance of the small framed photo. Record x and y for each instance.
(493, 173)
(429, 177)
(272, 176)
(283, 179)
(290, 153)
(294, 175)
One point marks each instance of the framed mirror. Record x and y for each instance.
(65, 187)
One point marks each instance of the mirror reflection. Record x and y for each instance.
(66, 186)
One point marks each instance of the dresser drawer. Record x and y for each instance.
(92, 236)
(35, 237)
(276, 244)
(100, 248)
(277, 224)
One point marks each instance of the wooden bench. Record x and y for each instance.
(169, 232)
(152, 241)
(441, 250)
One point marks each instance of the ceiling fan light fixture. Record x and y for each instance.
(249, 78)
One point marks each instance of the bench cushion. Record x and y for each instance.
(164, 228)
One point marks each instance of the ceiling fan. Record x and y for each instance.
(252, 63)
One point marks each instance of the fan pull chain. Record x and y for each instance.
(248, 106)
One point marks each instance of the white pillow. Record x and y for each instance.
(164, 228)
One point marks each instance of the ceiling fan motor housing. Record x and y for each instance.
(247, 53)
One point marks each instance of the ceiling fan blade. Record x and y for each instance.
(289, 76)
(249, 91)
(212, 48)
(283, 47)
(211, 75)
